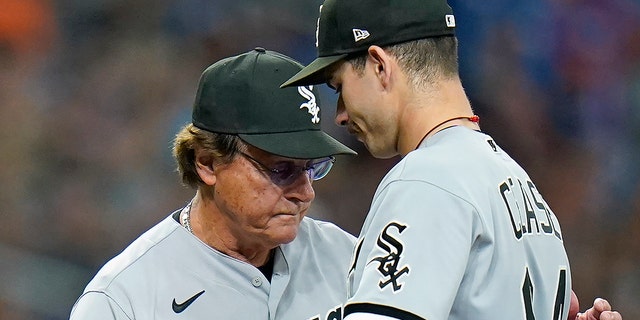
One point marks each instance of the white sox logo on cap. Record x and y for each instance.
(318, 25)
(311, 105)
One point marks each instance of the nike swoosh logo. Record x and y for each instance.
(179, 307)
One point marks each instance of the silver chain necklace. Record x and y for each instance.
(185, 218)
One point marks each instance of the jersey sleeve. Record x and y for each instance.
(97, 305)
(415, 249)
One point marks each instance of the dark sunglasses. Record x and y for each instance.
(290, 172)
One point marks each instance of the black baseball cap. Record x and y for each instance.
(240, 95)
(351, 26)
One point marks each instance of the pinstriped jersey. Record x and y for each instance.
(168, 273)
(457, 230)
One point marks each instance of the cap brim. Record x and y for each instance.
(314, 73)
(310, 144)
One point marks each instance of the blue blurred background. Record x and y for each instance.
(92, 92)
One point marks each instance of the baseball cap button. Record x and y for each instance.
(260, 49)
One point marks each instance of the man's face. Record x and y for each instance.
(363, 108)
(257, 211)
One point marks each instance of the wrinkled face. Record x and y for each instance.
(257, 211)
(363, 108)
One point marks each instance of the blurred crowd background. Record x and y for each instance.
(92, 92)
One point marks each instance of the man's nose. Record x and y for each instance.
(342, 118)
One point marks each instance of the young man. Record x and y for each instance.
(457, 229)
(242, 248)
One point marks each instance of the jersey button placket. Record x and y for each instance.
(256, 282)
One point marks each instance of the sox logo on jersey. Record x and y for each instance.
(389, 264)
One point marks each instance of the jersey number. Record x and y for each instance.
(527, 296)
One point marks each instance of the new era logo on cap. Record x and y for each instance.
(359, 34)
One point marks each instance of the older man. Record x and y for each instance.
(243, 247)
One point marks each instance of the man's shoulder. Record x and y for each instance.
(452, 154)
(321, 237)
(315, 226)
(136, 257)
(320, 246)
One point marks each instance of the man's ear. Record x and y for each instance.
(382, 64)
(205, 167)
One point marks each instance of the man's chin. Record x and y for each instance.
(287, 236)
(380, 154)
(285, 231)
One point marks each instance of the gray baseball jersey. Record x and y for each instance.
(457, 230)
(168, 273)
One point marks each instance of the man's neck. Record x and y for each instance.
(427, 111)
(211, 227)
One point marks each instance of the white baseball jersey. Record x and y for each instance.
(457, 230)
(168, 273)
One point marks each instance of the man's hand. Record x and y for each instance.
(574, 307)
(601, 310)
